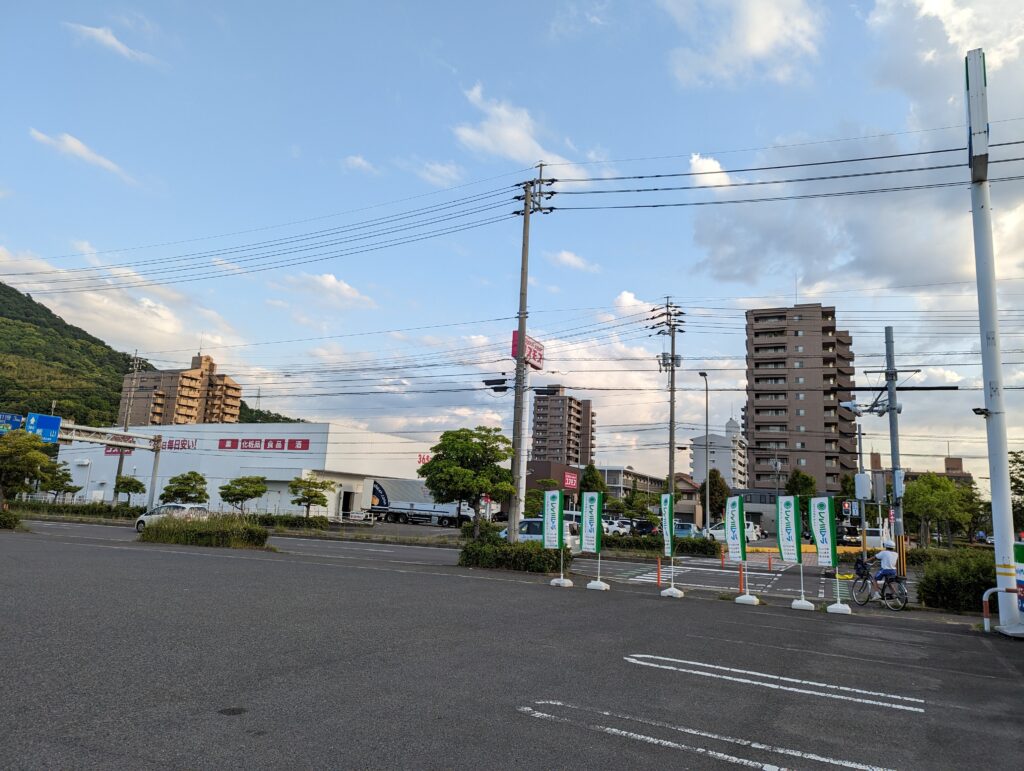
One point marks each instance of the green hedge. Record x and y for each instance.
(8, 520)
(700, 547)
(488, 531)
(105, 510)
(233, 532)
(291, 520)
(529, 556)
(957, 582)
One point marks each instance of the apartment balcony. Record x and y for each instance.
(771, 351)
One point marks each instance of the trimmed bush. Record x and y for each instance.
(957, 582)
(488, 531)
(699, 547)
(528, 556)
(291, 520)
(8, 520)
(233, 532)
(106, 510)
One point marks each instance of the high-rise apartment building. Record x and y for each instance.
(727, 453)
(564, 427)
(799, 369)
(180, 396)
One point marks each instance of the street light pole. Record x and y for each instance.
(707, 443)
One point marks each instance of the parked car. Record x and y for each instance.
(645, 527)
(617, 527)
(717, 532)
(990, 540)
(178, 510)
(686, 530)
(532, 529)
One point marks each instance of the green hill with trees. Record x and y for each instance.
(45, 361)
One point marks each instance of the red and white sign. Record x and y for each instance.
(298, 444)
(227, 444)
(892, 516)
(423, 457)
(118, 450)
(570, 480)
(295, 445)
(534, 351)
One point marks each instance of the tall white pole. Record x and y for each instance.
(991, 360)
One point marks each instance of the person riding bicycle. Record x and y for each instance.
(888, 559)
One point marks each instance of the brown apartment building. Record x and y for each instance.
(180, 396)
(564, 427)
(799, 368)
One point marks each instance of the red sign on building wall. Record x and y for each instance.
(298, 445)
(570, 480)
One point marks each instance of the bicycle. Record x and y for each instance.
(893, 592)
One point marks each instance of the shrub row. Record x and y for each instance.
(233, 532)
(957, 581)
(8, 520)
(700, 547)
(107, 510)
(529, 556)
(290, 520)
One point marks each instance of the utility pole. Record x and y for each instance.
(707, 444)
(127, 414)
(894, 408)
(669, 322)
(862, 506)
(991, 360)
(532, 197)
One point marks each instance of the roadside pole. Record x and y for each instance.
(862, 506)
(893, 409)
(991, 360)
(157, 441)
(518, 435)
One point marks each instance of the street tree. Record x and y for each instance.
(23, 464)
(309, 491)
(614, 506)
(242, 489)
(719, 494)
(592, 481)
(464, 466)
(1017, 489)
(804, 486)
(128, 486)
(189, 487)
(847, 486)
(60, 482)
(933, 499)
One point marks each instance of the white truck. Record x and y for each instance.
(409, 501)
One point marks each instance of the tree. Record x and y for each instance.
(614, 506)
(128, 486)
(309, 491)
(464, 467)
(534, 500)
(719, 494)
(242, 489)
(931, 499)
(189, 487)
(592, 481)
(60, 482)
(23, 463)
(847, 487)
(804, 486)
(1017, 488)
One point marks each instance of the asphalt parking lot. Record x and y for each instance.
(131, 655)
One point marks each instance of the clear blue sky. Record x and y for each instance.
(145, 123)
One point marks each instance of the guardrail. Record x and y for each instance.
(986, 599)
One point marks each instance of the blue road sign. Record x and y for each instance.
(10, 422)
(47, 427)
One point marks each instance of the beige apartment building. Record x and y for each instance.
(180, 396)
(799, 368)
(564, 428)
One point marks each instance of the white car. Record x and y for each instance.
(717, 532)
(617, 527)
(532, 529)
(180, 510)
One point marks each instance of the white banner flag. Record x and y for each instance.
(553, 536)
(823, 527)
(667, 522)
(591, 524)
(787, 521)
(735, 529)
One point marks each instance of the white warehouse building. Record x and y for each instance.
(726, 453)
(351, 457)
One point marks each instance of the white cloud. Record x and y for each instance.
(509, 132)
(275, 303)
(440, 174)
(572, 260)
(105, 37)
(69, 145)
(359, 163)
(709, 169)
(573, 17)
(994, 25)
(333, 290)
(745, 38)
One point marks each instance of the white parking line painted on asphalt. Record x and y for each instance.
(747, 743)
(813, 689)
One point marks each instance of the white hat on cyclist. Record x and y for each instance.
(888, 544)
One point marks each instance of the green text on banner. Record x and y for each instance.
(667, 522)
(787, 520)
(823, 527)
(593, 504)
(553, 536)
(735, 529)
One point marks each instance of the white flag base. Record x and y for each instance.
(748, 599)
(563, 582)
(1014, 630)
(802, 605)
(839, 607)
(600, 586)
(672, 592)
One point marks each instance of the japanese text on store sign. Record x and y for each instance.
(263, 444)
(534, 351)
(179, 444)
(570, 480)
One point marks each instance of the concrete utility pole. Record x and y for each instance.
(668, 322)
(893, 408)
(127, 414)
(991, 361)
(707, 444)
(532, 197)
